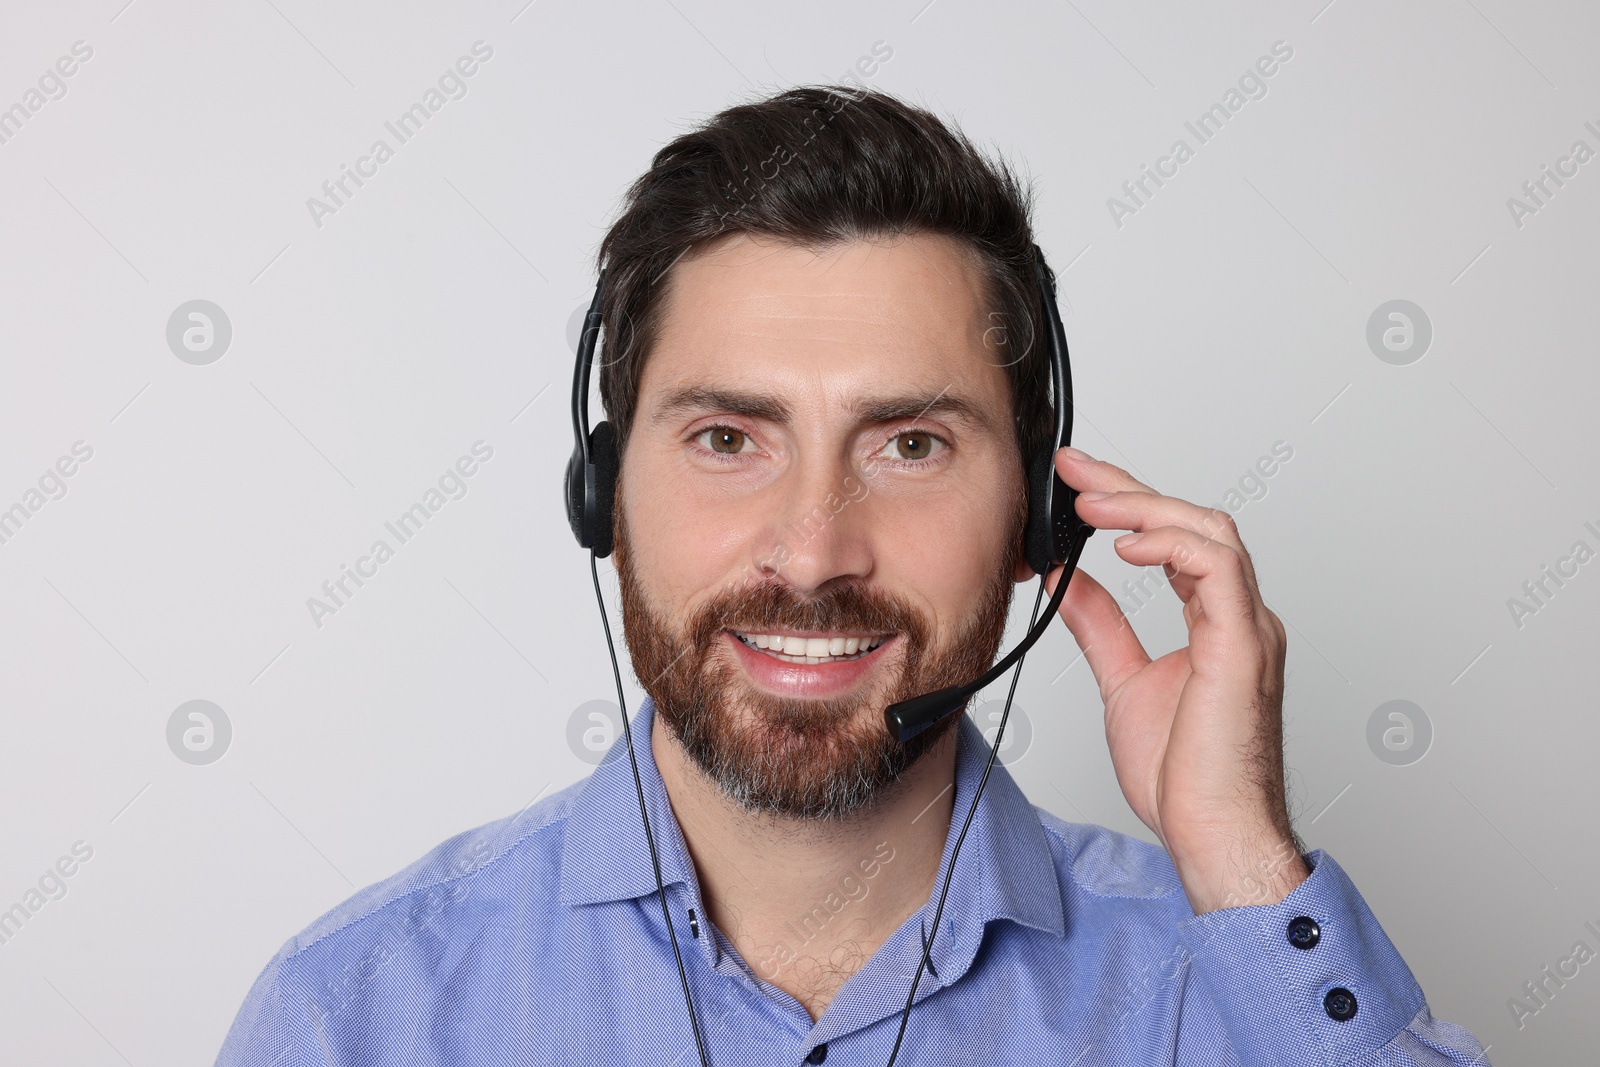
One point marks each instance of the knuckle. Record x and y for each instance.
(1183, 551)
(1221, 522)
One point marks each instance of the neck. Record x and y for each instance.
(807, 903)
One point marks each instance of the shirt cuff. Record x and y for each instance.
(1314, 973)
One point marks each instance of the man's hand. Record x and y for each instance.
(1196, 736)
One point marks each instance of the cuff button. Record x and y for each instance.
(1304, 932)
(1340, 1004)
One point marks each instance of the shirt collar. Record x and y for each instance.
(1007, 868)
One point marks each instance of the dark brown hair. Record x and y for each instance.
(818, 165)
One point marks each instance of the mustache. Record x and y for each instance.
(774, 605)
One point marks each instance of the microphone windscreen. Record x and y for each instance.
(908, 718)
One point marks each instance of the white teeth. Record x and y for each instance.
(812, 649)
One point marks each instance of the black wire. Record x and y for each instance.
(987, 678)
(927, 948)
(655, 859)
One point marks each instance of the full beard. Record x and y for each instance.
(812, 758)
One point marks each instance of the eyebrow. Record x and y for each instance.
(915, 406)
(695, 399)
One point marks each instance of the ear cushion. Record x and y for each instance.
(603, 454)
(1039, 539)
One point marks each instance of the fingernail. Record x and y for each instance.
(1096, 495)
(1127, 539)
(1076, 453)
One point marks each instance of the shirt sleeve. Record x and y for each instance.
(1314, 979)
(263, 1034)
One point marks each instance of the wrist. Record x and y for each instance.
(1232, 873)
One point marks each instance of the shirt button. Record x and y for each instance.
(818, 1054)
(1340, 1004)
(1304, 932)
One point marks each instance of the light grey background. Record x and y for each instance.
(431, 311)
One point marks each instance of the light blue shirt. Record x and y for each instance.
(539, 939)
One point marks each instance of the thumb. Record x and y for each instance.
(1097, 623)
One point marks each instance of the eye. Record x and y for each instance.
(914, 446)
(724, 440)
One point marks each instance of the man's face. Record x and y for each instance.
(822, 452)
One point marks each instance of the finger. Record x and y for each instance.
(1109, 644)
(1082, 471)
(1089, 475)
(1132, 510)
(1210, 573)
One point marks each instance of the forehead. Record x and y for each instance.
(905, 314)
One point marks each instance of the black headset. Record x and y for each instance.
(1054, 535)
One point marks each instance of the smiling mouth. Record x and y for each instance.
(811, 650)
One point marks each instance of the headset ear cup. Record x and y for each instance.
(576, 494)
(1038, 541)
(603, 454)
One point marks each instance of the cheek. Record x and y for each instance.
(943, 548)
(686, 545)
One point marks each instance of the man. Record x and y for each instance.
(824, 382)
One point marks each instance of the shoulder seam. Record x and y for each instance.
(1052, 825)
(557, 813)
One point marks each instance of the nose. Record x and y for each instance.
(819, 531)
